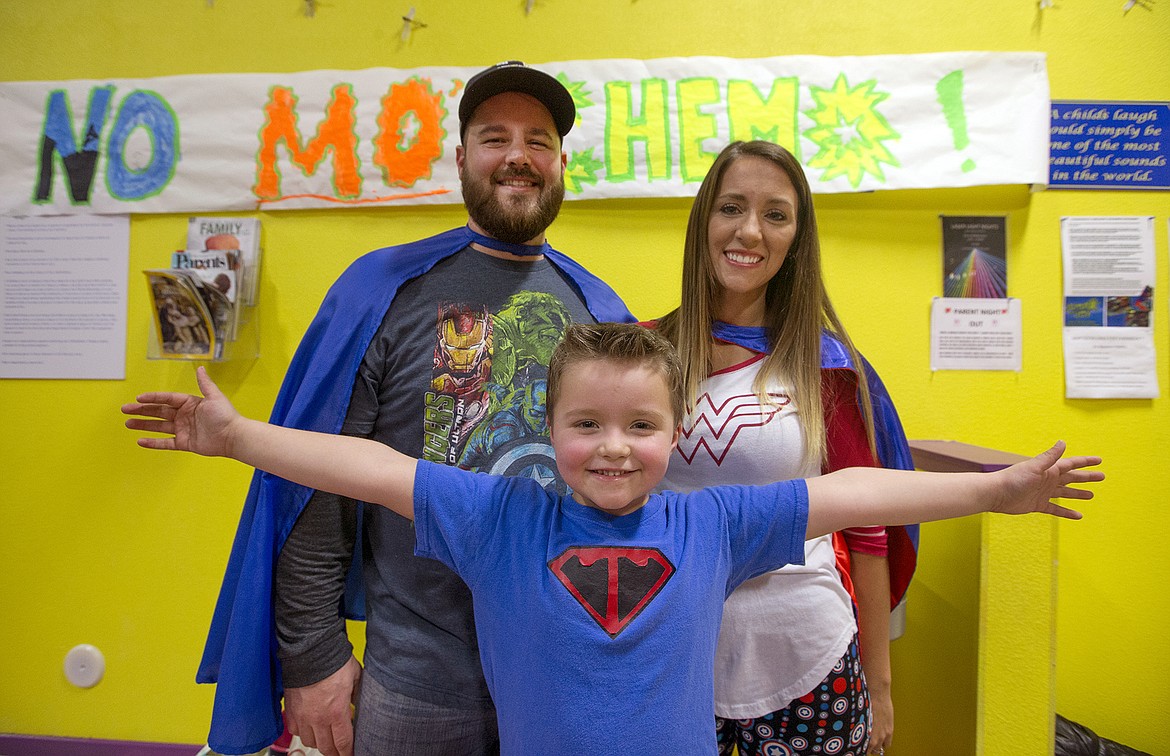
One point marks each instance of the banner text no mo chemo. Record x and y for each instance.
(204, 143)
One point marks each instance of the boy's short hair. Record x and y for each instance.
(621, 342)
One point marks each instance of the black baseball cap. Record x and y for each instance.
(514, 76)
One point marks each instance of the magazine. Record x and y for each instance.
(224, 314)
(239, 235)
(219, 268)
(183, 324)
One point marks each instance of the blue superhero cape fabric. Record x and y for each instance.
(240, 653)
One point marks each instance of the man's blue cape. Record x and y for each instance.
(240, 655)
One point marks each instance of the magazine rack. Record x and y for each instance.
(204, 305)
(246, 345)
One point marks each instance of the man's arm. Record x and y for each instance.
(876, 496)
(355, 467)
(320, 673)
(318, 668)
(309, 587)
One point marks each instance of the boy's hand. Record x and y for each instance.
(1030, 486)
(196, 425)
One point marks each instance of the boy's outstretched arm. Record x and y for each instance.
(876, 496)
(355, 467)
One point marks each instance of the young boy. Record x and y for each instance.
(597, 613)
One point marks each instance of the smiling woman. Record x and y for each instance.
(749, 233)
(755, 331)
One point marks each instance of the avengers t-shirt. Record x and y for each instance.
(456, 374)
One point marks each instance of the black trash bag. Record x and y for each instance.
(1074, 739)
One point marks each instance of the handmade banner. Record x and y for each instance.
(382, 136)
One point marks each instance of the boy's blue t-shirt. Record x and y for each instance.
(597, 633)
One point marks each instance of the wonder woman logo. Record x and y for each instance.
(613, 584)
(714, 429)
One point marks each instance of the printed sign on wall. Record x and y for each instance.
(1110, 145)
(1109, 277)
(207, 143)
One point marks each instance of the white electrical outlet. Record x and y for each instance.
(85, 666)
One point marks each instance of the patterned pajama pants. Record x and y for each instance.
(831, 719)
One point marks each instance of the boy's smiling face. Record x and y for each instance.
(613, 431)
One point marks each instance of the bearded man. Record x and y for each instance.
(373, 364)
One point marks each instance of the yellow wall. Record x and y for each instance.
(106, 544)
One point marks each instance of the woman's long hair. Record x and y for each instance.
(796, 309)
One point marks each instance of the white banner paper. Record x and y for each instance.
(216, 142)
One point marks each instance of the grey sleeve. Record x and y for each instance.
(309, 589)
(311, 570)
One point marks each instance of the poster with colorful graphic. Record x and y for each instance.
(974, 256)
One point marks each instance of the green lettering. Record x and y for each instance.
(752, 116)
(695, 126)
(650, 126)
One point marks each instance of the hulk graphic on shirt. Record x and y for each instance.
(513, 439)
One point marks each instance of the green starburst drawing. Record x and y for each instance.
(582, 169)
(849, 131)
(578, 92)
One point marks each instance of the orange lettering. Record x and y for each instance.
(335, 133)
(403, 166)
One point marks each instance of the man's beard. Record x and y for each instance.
(514, 222)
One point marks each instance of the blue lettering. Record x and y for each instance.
(145, 110)
(57, 141)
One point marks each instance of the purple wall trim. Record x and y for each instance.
(42, 745)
